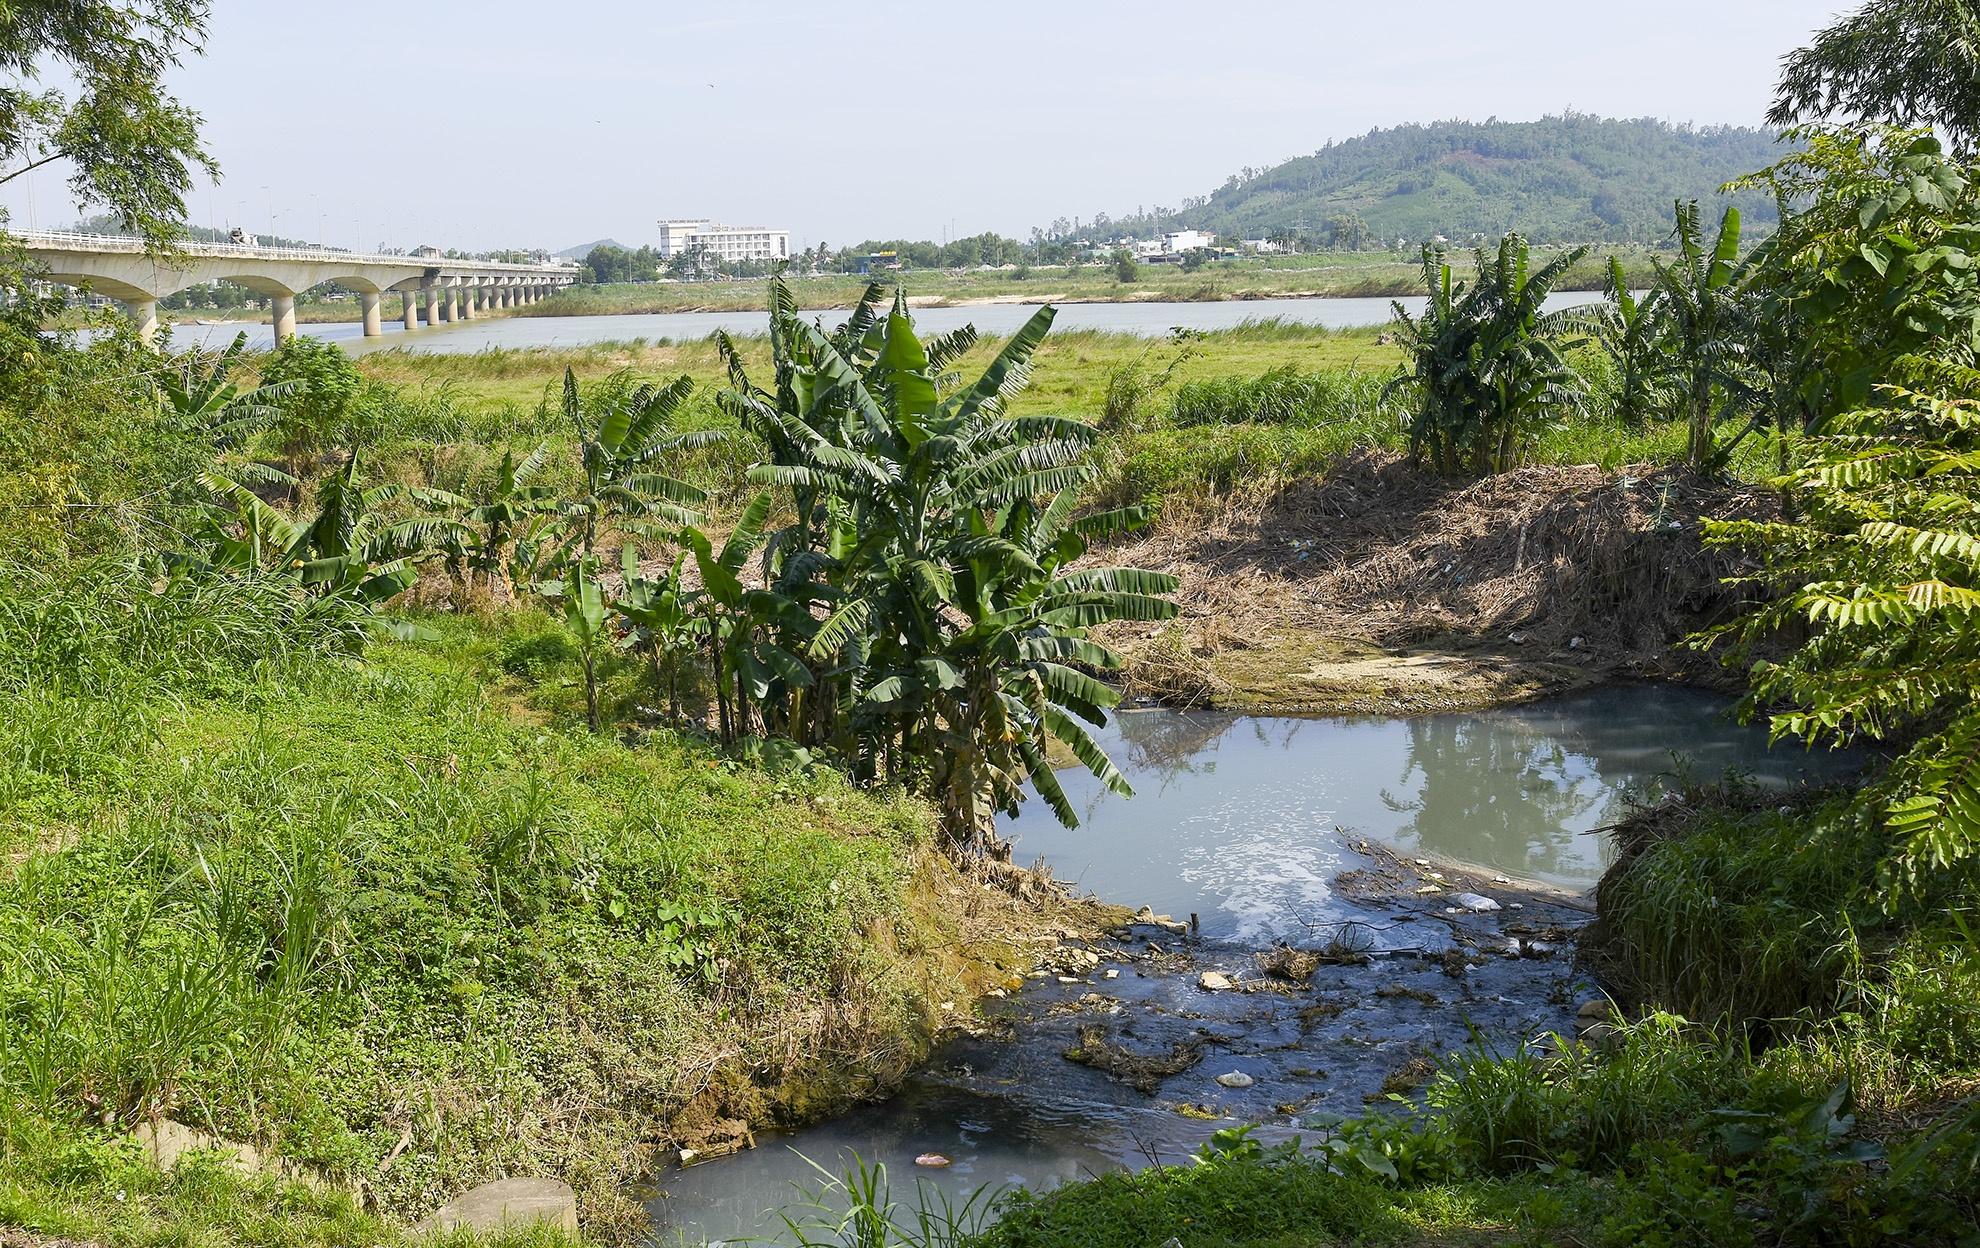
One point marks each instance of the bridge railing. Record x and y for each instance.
(80, 240)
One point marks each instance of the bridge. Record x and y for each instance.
(433, 288)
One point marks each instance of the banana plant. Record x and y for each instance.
(581, 603)
(1486, 367)
(622, 433)
(1707, 323)
(663, 617)
(954, 629)
(205, 402)
(1631, 331)
(498, 522)
(744, 628)
(345, 550)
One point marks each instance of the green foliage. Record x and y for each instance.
(1752, 914)
(1582, 1108)
(349, 551)
(1881, 567)
(90, 461)
(1704, 320)
(131, 147)
(1913, 62)
(1486, 369)
(1877, 258)
(323, 403)
(622, 432)
(857, 1209)
(1126, 269)
(1285, 395)
(1133, 386)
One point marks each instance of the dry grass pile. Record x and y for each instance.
(1381, 552)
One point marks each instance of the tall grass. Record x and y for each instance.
(857, 1208)
(1283, 396)
(103, 627)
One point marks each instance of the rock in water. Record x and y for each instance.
(934, 1161)
(1235, 1079)
(1473, 902)
(1214, 981)
(510, 1205)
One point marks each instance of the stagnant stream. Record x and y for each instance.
(1250, 823)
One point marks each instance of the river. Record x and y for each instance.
(514, 332)
(1249, 822)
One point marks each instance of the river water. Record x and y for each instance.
(1249, 822)
(511, 332)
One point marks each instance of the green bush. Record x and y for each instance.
(331, 408)
(537, 653)
(1926, 1000)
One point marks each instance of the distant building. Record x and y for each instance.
(1176, 242)
(728, 243)
(879, 261)
(426, 252)
(1261, 245)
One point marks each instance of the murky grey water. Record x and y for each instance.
(1238, 819)
(1147, 319)
(1233, 815)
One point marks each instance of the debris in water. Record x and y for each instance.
(1290, 964)
(1474, 902)
(1235, 1079)
(1143, 1072)
(934, 1161)
(1213, 981)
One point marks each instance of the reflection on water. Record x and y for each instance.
(1150, 319)
(1236, 817)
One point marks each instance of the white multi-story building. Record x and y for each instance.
(1176, 242)
(724, 242)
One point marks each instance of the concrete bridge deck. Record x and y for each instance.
(435, 289)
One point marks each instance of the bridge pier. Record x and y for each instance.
(471, 302)
(443, 306)
(144, 317)
(285, 318)
(411, 312)
(427, 312)
(374, 326)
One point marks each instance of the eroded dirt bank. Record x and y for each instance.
(1382, 588)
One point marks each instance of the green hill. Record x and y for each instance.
(1572, 178)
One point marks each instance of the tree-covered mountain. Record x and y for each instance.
(1572, 178)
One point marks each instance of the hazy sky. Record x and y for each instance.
(485, 123)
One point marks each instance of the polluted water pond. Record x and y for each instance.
(1370, 894)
